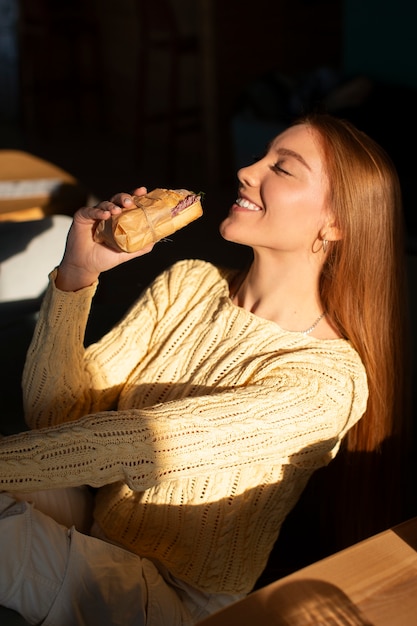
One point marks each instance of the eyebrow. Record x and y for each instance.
(295, 155)
(290, 153)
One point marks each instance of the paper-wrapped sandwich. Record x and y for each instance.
(156, 215)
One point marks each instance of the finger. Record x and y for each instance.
(122, 200)
(139, 191)
(103, 210)
(107, 207)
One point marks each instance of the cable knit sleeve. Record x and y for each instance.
(62, 381)
(296, 415)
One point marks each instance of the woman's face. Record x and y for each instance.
(282, 203)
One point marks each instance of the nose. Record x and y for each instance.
(249, 175)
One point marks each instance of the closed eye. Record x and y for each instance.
(278, 168)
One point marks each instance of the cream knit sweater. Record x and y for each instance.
(199, 422)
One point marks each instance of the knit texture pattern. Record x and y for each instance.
(199, 422)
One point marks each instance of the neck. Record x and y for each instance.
(284, 292)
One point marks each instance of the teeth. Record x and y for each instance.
(247, 205)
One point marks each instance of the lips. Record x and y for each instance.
(246, 204)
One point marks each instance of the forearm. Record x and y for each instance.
(67, 456)
(54, 377)
(63, 380)
(98, 449)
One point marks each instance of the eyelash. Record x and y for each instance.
(278, 168)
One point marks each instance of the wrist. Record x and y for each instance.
(73, 279)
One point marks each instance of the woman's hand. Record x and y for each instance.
(84, 259)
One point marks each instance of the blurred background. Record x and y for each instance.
(104, 95)
(182, 92)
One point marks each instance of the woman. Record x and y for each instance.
(202, 415)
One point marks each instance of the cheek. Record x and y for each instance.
(297, 220)
(304, 207)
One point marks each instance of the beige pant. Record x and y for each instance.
(58, 576)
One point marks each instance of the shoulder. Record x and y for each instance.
(337, 354)
(195, 274)
(334, 369)
(327, 363)
(339, 368)
(197, 267)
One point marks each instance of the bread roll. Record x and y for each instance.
(155, 215)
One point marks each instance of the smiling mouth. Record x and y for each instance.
(245, 204)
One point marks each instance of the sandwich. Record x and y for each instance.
(155, 215)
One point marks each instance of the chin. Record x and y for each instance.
(234, 232)
(227, 232)
(229, 236)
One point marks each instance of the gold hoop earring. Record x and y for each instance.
(325, 245)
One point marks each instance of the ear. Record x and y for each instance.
(331, 232)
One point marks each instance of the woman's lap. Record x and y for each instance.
(63, 577)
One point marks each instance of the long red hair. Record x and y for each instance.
(363, 279)
(364, 490)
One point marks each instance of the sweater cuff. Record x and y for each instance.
(60, 305)
(90, 290)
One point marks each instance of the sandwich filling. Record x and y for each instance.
(184, 204)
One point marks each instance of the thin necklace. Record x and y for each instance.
(312, 327)
(303, 332)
